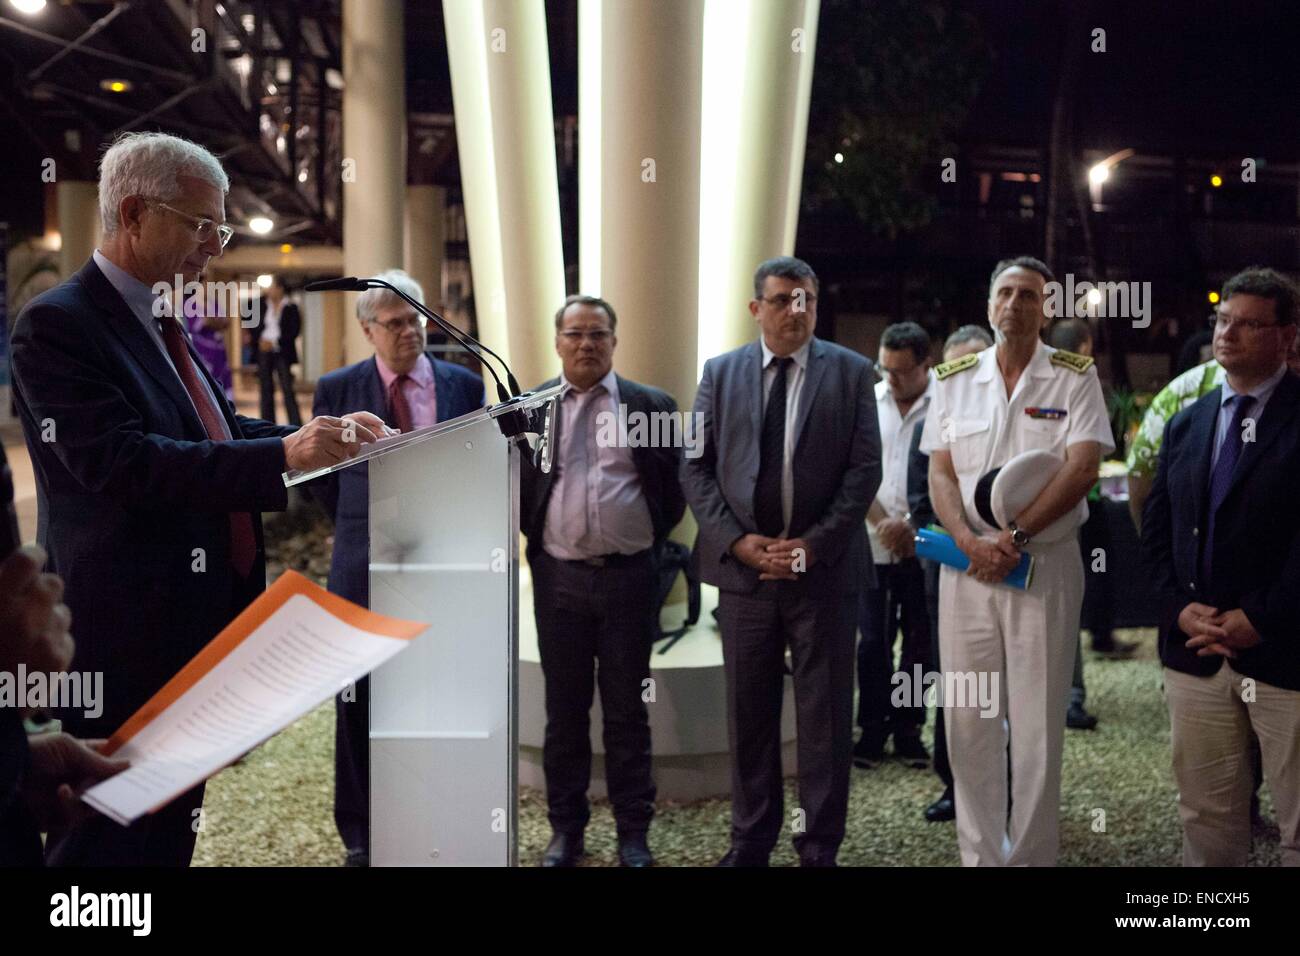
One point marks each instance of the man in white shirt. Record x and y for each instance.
(898, 596)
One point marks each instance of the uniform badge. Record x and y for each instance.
(1055, 414)
(1072, 360)
(944, 369)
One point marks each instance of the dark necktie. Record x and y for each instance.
(1221, 476)
(768, 511)
(243, 543)
(399, 410)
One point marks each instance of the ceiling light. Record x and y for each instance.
(261, 225)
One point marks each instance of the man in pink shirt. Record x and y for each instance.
(409, 389)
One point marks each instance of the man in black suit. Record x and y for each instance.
(1221, 535)
(149, 486)
(790, 462)
(595, 524)
(413, 390)
(277, 350)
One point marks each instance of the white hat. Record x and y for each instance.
(1003, 494)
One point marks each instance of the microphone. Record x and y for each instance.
(464, 339)
(344, 284)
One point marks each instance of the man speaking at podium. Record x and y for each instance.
(414, 390)
(149, 485)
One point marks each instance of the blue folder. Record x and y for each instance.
(937, 545)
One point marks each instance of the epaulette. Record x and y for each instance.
(944, 369)
(1072, 360)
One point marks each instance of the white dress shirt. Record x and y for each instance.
(895, 442)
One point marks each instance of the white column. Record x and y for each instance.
(426, 239)
(505, 134)
(374, 148)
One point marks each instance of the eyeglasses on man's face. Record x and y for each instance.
(802, 300)
(575, 336)
(398, 326)
(204, 228)
(1225, 322)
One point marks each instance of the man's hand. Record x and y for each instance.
(326, 440)
(61, 768)
(897, 535)
(371, 423)
(751, 550)
(786, 559)
(991, 559)
(34, 621)
(1207, 636)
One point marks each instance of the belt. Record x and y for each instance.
(612, 560)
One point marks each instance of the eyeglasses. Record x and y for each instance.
(204, 228)
(1247, 325)
(398, 326)
(783, 301)
(575, 336)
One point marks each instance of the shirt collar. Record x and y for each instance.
(1259, 393)
(422, 374)
(139, 297)
(883, 394)
(610, 381)
(800, 355)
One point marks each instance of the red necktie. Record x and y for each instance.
(243, 543)
(399, 410)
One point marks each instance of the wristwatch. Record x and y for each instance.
(1019, 537)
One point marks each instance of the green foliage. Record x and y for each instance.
(893, 81)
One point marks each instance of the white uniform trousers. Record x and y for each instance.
(1028, 638)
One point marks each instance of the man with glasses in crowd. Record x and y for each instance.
(413, 390)
(595, 525)
(149, 485)
(1221, 536)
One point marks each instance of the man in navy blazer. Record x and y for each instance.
(410, 389)
(790, 462)
(1221, 535)
(149, 486)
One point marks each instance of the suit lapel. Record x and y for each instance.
(1202, 439)
(1277, 413)
(812, 381)
(138, 342)
(753, 384)
(372, 392)
(442, 396)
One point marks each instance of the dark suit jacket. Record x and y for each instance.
(346, 494)
(9, 536)
(918, 482)
(20, 840)
(129, 486)
(290, 329)
(836, 465)
(656, 467)
(1256, 539)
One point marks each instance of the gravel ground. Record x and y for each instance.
(1118, 797)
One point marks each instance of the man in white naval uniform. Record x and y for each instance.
(987, 408)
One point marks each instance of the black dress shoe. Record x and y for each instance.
(1112, 648)
(942, 809)
(565, 849)
(912, 752)
(817, 861)
(357, 857)
(734, 857)
(869, 752)
(633, 850)
(1077, 718)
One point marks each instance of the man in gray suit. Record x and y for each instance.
(790, 461)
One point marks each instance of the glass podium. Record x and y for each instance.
(444, 549)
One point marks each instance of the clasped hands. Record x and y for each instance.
(991, 559)
(775, 559)
(327, 440)
(1213, 632)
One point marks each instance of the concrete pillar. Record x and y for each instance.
(426, 239)
(374, 148)
(640, 68)
(505, 134)
(79, 225)
(758, 69)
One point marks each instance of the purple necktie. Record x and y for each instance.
(1221, 476)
